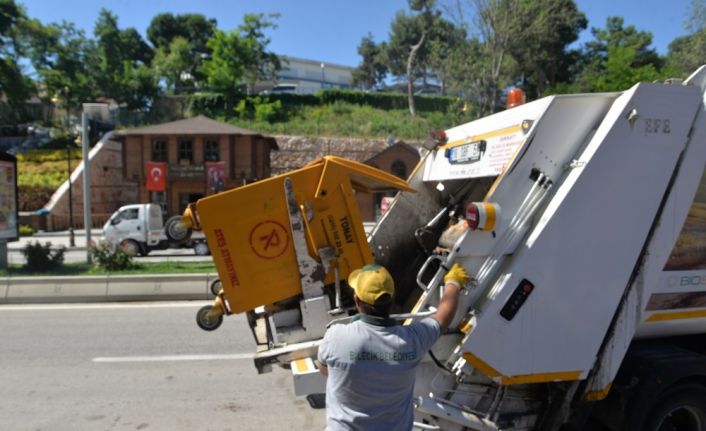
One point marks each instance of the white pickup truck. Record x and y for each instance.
(138, 229)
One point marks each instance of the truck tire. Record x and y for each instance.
(681, 408)
(176, 229)
(130, 247)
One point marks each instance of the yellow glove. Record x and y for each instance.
(456, 276)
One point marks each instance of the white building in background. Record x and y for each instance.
(301, 76)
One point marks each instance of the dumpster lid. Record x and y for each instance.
(363, 177)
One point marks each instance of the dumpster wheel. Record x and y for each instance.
(206, 322)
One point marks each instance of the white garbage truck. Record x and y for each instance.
(139, 229)
(582, 221)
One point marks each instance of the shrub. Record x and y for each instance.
(109, 257)
(41, 257)
(268, 111)
(26, 230)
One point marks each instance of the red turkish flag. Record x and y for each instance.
(156, 176)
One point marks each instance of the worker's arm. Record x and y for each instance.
(323, 368)
(455, 279)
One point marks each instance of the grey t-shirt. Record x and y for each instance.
(371, 364)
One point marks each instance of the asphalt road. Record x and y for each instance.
(137, 367)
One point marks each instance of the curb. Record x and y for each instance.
(27, 290)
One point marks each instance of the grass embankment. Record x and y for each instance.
(142, 268)
(349, 120)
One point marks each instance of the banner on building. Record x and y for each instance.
(156, 176)
(215, 175)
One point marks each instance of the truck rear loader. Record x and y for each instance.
(582, 221)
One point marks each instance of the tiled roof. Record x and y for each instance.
(199, 125)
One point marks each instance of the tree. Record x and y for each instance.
(14, 85)
(617, 58)
(687, 53)
(194, 28)
(124, 60)
(240, 58)
(483, 66)
(372, 70)
(540, 32)
(174, 64)
(408, 49)
(64, 59)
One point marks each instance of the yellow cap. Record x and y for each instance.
(371, 282)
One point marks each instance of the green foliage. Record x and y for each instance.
(124, 74)
(385, 100)
(65, 59)
(212, 105)
(373, 69)
(26, 230)
(347, 119)
(39, 173)
(41, 257)
(80, 269)
(174, 63)
(109, 257)
(618, 57)
(687, 53)
(239, 59)
(194, 28)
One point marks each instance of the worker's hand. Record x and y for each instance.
(456, 276)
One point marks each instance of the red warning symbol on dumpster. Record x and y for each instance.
(269, 239)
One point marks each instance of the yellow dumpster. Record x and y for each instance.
(267, 238)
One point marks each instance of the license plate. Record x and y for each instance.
(466, 153)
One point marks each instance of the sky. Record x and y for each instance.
(330, 30)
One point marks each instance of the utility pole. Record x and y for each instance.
(87, 219)
(72, 241)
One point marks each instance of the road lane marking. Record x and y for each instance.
(173, 358)
(105, 305)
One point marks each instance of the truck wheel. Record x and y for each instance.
(201, 249)
(682, 408)
(216, 286)
(130, 247)
(206, 323)
(176, 229)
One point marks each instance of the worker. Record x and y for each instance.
(371, 361)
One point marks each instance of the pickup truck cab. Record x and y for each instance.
(139, 229)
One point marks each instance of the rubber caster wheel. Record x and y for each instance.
(205, 322)
(216, 286)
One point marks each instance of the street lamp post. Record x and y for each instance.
(72, 241)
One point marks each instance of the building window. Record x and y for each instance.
(399, 168)
(159, 151)
(185, 153)
(211, 151)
